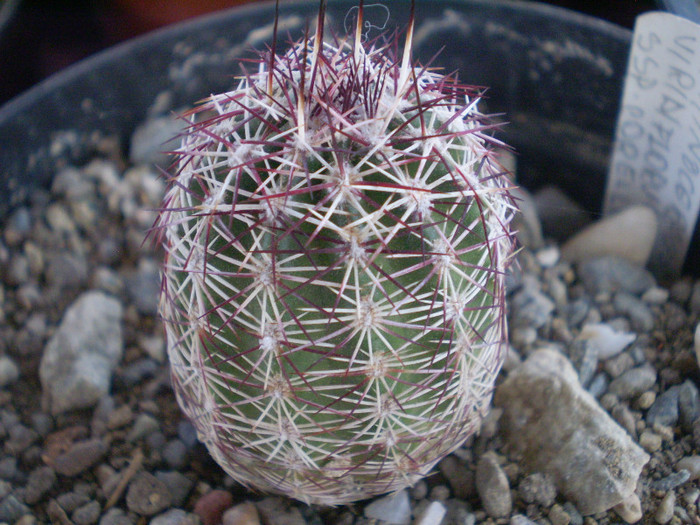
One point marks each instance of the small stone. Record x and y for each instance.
(629, 234)
(619, 364)
(147, 495)
(242, 514)
(279, 511)
(688, 404)
(81, 456)
(646, 399)
(630, 510)
(656, 295)
(560, 215)
(40, 481)
(115, 516)
(537, 488)
(607, 340)
(613, 274)
(650, 441)
(664, 512)
(87, 514)
(636, 310)
(211, 506)
(12, 509)
(492, 486)
(558, 516)
(66, 270)
(144, 425)
(530, 308)
(175, 453)
(671, 481)
(633, 382)
(394, 508)
(520, 519)
(622, 414)
(460, 478)
(9, 371)
(432, 515)
(691, 464)
(664, 411)
(697, 343)
(178, 484)
(175, 517)
(143, 286)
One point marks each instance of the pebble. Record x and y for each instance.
(242, 514)
(211, 506)
(671, 481)
(633, 382)
(178, 484)
(619, 364)
(40, 481)
(697, 343)
(175, 454)
(432, 515)
(520, 519)
(688, 404)
(460, 478)
(81, 456)
(144, 425)
(492, 486)
(650, 441)
(279, 511)
(537, 488)
(9, 371)
(115, 516)
(691, 464)
(558, 516)
(530, 308)
(78, 361)
(12, 509)
(664, 512)
(628, 234)
(613, 274)
(559, 215)
(394, 508)
(175, 517)
(630, 510)
(608, 341)
(636, 310)
(147, 495)
(87, 514)
(143, 286)
(664, 411)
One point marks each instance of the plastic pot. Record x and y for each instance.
(555, 74)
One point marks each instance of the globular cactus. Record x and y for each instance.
(336, 236)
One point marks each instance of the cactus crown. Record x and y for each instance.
(336, 233)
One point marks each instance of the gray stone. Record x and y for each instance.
(671, 481)
(688, 404)
(492, 486)
(80, 457)
(9, 371)
(636, 310)
(633, 382)
(40, 481)
(559, 429)
(394, 508)
(530, 308)
(66, 270)
(560, 216)
(147, 495)
(115, 516)
(175, 454)
(143, 286)
(432, 515)
(664, 512)
(87, 514)
(12, 509)
(607, 340)
(175, 517)
(79, 359)
(613, 274)
(664, 411)
(178, 484)
(691, 464)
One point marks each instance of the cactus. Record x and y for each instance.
(336, 235)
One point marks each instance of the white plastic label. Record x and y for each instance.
(656, 154)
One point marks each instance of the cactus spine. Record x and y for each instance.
(336, 235)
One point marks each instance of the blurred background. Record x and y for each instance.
(41, 37)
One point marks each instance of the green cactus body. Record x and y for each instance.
(336, 234)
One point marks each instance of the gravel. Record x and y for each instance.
(92, 432)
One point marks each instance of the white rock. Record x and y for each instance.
(433, 515)
(526, 221)
(609, 341)
(559, 429)
(79, 359)
(629, 234)
(394, 508)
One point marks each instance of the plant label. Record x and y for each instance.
(656, 153)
